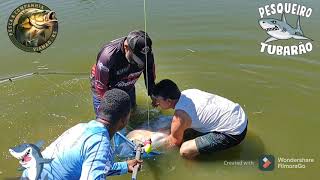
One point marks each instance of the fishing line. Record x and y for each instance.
(57, 85)
(42, 75)
(139, 145)
(146, 55)
(26, 75)
(86, 100)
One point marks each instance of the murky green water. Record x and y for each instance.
(210, 45)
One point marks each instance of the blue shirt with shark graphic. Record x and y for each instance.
(82, 152)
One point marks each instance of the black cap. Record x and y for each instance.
(140, 43)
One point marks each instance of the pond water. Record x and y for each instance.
(209, 45)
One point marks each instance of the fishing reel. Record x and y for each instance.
(139, 149)
(143, 147)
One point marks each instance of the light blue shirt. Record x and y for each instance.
(82, 152)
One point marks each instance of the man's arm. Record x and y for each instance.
(101, 75)
(180, 122)
(149, 80)
(98, 158)
(102, 69)
(119, 168)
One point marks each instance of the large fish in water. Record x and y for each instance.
(157, 131)
(34, 27)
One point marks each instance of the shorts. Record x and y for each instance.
(213, 141)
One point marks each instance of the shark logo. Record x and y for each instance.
(280, 29)
(30, 158)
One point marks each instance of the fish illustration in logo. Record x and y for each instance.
(280, 29)
(34, 27)
(30, 158)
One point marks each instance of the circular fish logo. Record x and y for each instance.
(32, 27)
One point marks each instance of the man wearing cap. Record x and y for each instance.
(119, 65)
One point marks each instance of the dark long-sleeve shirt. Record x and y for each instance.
(112, 70)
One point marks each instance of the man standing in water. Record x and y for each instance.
(214, 123)
(84, 151)
(119, 65)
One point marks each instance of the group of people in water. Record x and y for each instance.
(202, 122)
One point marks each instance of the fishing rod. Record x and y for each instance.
(139, 151)
(139, 146)
(26, 75)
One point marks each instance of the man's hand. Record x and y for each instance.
(132, 163)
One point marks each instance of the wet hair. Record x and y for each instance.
(114, 105)
(167, 89)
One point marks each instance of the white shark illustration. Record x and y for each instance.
(30, 158)
(280, 29)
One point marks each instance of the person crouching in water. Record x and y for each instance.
(84, 151)
(215, 123)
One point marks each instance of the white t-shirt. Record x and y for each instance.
(210, 112)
